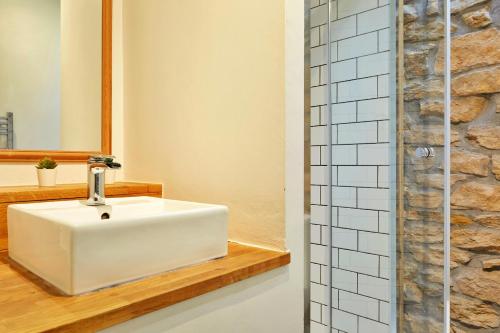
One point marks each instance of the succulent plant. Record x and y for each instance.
(46, 163)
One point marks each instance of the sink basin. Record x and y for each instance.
(78, 248)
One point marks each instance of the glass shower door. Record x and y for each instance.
(380, 142)
(422, 166)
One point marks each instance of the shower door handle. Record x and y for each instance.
(425, 152)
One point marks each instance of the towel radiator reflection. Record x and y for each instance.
(7, 130)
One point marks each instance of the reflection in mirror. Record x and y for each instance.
(50, 74)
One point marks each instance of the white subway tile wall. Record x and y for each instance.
(359, 44)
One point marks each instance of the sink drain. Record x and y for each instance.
(105, 216)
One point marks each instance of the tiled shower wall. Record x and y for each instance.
(360, 58)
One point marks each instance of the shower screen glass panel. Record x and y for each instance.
(422, 166)
(378, 167)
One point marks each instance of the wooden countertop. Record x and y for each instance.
(28, 304)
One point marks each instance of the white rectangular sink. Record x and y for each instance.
(79, 248)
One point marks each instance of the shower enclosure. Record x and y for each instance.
(380, 136)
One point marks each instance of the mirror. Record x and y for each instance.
(55, 78)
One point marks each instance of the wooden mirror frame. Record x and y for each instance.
(106, 106)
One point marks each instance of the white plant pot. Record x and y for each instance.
(110, 176)
(46, 177)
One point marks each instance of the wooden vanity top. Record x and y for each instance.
(29, 305)
(24, 194)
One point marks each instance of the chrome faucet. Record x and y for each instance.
(96, 171)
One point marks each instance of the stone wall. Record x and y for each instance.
(475, 294)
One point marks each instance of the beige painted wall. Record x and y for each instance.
(204, 107)
(30, 71)
(81, 74)
(272, 302)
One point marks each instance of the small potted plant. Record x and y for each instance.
(46, 170)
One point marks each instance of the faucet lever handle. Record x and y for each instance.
(114, 165)
(107, 161)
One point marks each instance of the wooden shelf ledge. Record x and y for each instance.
(29, 305)
(20, 194)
